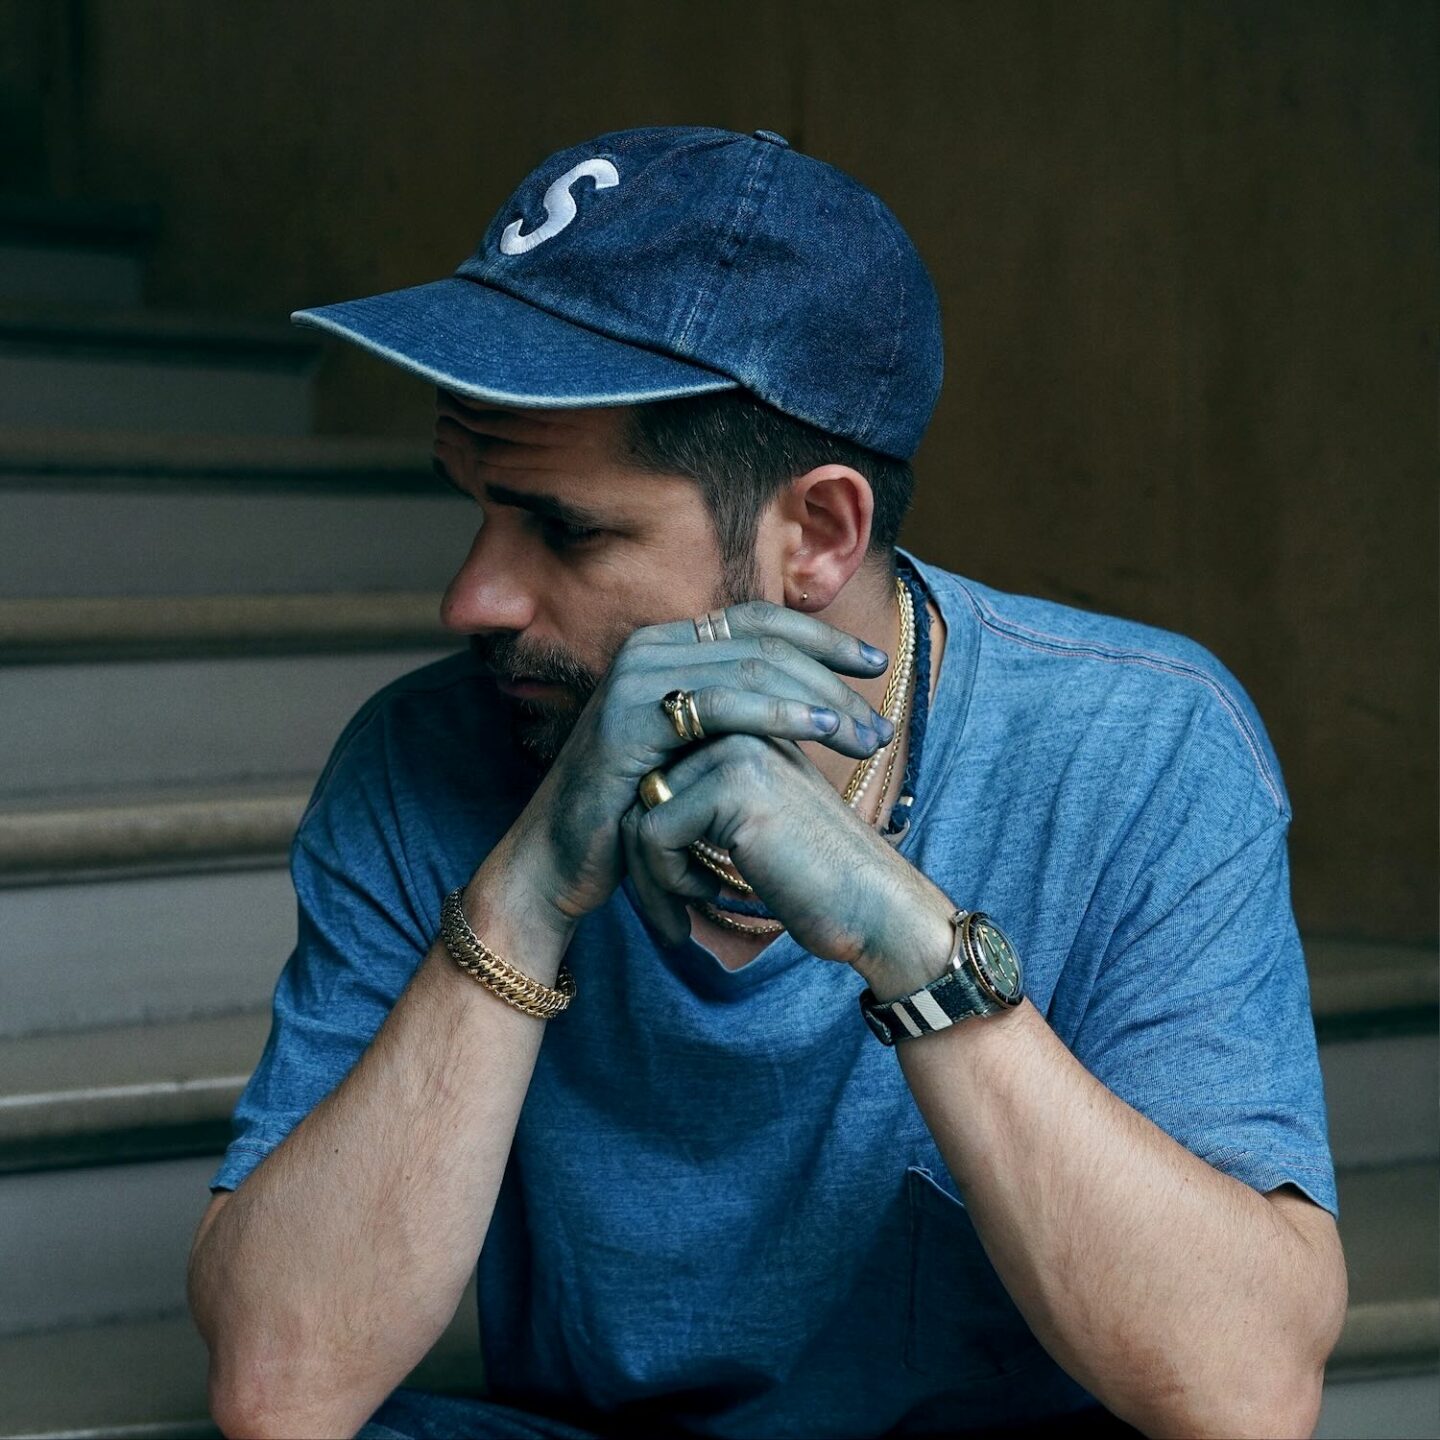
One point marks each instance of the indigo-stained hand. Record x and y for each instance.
(841, 890)
(774, 682)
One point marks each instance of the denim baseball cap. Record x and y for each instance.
(674, 260)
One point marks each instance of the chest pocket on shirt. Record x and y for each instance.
(960, 1321)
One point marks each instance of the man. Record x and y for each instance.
(927, 1044)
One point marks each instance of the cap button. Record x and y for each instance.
(773, 138)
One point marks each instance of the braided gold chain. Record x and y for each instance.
(481, 963)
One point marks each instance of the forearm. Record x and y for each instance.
(336, 1264)
(1175, 1294)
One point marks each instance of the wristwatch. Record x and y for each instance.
(982, 977)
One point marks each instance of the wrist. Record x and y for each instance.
(916, 957)
(512, 908)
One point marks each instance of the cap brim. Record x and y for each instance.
(484, 344)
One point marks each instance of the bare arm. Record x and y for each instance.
(1184, 1300)
(328, 1274)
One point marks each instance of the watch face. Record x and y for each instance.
(996, 964)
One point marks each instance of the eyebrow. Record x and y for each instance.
(549, 506)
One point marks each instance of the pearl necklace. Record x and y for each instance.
(895, 707)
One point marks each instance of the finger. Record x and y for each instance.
(665, 911)
(779, 671)
(786, 674)
(724, 710)
(835, 648)
(664, 835)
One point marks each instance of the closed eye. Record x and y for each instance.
(561, 536)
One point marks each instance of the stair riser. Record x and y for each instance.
(129, 951)
(66, 275)
(1395, 1405)
(73, 542)
(70, 730)
(94, 391)
(107, 1241)
(1381, 1097)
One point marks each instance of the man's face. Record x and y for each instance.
(574, 551)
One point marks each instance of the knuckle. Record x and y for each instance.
(749, 612)
(752, 672)
(647, 826)
(715, 703)
(633, 647)
(746, 761)
(774, 647)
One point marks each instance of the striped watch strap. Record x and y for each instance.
(954, 996)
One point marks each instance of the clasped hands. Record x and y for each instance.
(746, 787)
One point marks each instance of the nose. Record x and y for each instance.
(491, 590)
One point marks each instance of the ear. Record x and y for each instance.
(821, 528)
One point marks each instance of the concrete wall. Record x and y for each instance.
(1186, 254)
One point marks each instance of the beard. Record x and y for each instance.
(540, 728)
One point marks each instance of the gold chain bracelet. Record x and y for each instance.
(481, 963)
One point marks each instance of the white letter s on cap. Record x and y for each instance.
(559, 207)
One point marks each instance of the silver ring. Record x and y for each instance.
(713, 625)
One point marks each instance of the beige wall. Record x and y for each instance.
(1186, 255)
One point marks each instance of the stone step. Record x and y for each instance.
(1403, 1406)
(74, 729)
(157, 833)
(49, 457)
(193, 515)
(104, 1278)
(68, 630)
(124, 1092)
(1360, 987)
(125, 951)
(135, 369)
(144, 1378)
(73, 253)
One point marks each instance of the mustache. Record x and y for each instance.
(513, 658)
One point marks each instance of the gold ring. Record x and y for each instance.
(653, 789)
(677, 706)
(697, 730)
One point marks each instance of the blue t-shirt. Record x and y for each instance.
(723, 1208)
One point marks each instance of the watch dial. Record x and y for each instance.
(996, 959)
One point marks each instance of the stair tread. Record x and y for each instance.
(71, 629)
(126, 1077)
(161, 797)
(44, 451)
(1390, 1226)
(1353, 977)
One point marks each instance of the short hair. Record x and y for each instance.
(742, 452)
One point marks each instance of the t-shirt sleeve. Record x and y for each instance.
(1200, 1016)
(358, 942)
